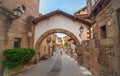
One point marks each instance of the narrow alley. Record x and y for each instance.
(57, 65)
(59, 37)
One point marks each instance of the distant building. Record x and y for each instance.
(59, 41)
(82, 14)
(66, 38)
(47, 46)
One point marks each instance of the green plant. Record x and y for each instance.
(17, 56)
(78, 44)
(66, 44)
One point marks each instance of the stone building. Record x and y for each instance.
(102, 51)
(66, 38)
(59, 41)
(66, 43)
(47, 46)
(15, 23)
(82, 13)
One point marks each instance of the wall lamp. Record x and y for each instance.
(18, 11)
(81, 29)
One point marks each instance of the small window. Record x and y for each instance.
(17, 43)
(118, 18)
(103, 32)
(44, 48)
(49, 50)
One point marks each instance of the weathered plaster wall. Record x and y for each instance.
(60, 21)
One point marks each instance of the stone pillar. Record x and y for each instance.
(37, 55)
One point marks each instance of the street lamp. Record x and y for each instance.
(81, 29)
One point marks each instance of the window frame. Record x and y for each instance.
(17, 42)
(103, 32)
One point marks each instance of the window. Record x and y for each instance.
(103, 32)
(118, 17)
(49, 50)
(44, 48)
(17, 43)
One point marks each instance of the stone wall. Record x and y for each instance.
(101, 55)
(108, 47)
(31, 6)
(12, 27)
(45, 48)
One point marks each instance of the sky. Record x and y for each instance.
(60, 34)
(69, 6)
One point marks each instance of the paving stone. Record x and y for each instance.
(58, 65)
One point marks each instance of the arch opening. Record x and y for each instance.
(52, 31)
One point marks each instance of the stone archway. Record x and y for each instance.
(57, 30)
(58, 22)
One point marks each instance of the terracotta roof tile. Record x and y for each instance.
(47, 16)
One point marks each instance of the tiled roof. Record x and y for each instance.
(59, 12)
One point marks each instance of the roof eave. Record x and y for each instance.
(46, 16)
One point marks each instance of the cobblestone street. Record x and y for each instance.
(58, 65)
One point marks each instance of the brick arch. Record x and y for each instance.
(57, 30)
